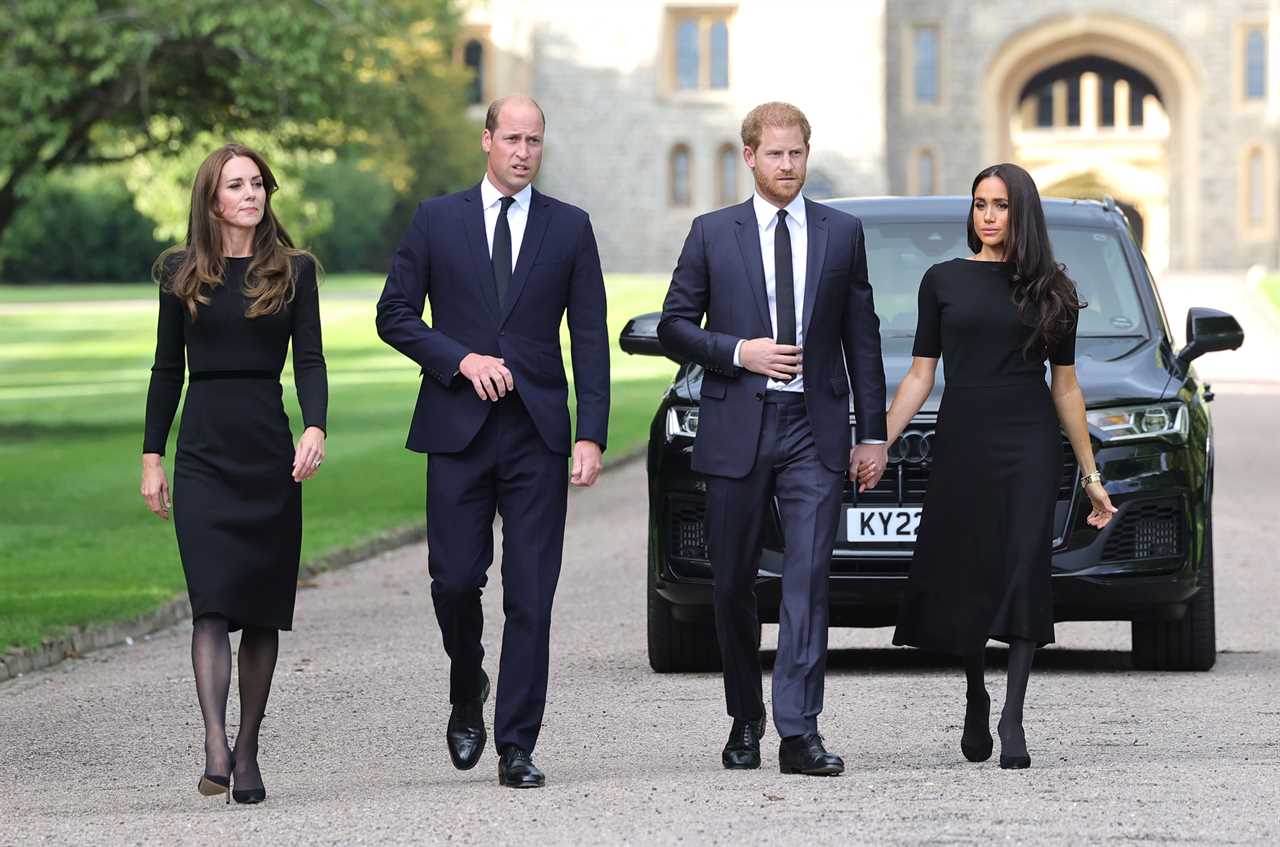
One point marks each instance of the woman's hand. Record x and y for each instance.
(309, 454)
(1102, 508)
(155, 487)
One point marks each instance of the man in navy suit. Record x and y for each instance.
(501, 264)
(790, 328)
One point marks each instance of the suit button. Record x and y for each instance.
(759, 395)
(501, 333)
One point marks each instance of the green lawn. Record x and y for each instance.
(1271, 287)
(77, 544)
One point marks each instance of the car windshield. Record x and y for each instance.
(898, 254)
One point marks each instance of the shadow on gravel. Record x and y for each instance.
(907, 660)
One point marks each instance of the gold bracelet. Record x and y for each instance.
(1096, 476)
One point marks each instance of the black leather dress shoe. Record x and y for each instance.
(517, 770)
(465, 733)
(742, 750)
(805, 754)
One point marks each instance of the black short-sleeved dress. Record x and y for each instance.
(981, 564)
(236, 508)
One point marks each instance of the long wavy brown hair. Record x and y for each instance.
(1044, 295)
(191, 271)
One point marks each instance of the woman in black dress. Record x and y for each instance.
(231, 300)
(981, 565)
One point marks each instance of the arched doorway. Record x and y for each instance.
(1104, 103)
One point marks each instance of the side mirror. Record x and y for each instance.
(640, 337)
(1209, 330)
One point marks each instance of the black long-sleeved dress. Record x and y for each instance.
(236, 508)
(981, 566)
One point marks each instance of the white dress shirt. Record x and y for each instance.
(767, 221)
(517, 215)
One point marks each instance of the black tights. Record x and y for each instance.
(1012, 739)
(211, 660)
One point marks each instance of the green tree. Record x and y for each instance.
(86, 82)
(80, 226)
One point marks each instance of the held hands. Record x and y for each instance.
(867, 463)
(587, 463)
(155, 487)
(776, 361)
(309, 454)
(1102, 508)
(488, 375)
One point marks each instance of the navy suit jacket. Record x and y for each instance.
(720, 274)
(444, 258)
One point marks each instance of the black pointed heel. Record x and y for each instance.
(976, 742)
(211, 785)
(1013, 761)
(250, 795)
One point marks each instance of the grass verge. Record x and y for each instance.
(77, 545)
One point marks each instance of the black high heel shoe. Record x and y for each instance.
(976, 742)
(1015, 761)
(249, 796)
(211, 785)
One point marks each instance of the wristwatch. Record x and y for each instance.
(1096, 476)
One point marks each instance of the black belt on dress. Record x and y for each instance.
(203, 376)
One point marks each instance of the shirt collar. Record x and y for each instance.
(766, 212)
(489, 195)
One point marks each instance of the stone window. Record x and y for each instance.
(925, 178)
(1257, 192)
(699, 40)
(727, 174)
(473, 58)
(679, 191)
(1257, 189)
(1255, 63)
(924, 63)
(719, 53)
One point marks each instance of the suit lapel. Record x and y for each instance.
(478, 244)
(749, 243)
(817, 224)
(534, 230)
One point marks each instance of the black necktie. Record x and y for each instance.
(783, 281)
(502, 251)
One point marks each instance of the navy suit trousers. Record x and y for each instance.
(787, 467)
(506, 470)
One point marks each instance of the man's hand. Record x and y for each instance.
(489, 376)
(867, 463)
(587, 462)
(776, 361)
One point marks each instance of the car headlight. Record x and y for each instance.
(682, 420)
(1169, 421)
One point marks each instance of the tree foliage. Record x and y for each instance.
(80, 226)
(85, 82)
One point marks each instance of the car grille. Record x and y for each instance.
(910, 463)
(686, 522)
(1148, 530)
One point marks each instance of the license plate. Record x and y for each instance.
(865, 526)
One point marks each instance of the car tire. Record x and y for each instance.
(1189, 644)
(677, 646)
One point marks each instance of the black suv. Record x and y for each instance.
(1148, 416)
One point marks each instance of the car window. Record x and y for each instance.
(898, 254)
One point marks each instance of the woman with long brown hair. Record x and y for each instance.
(981, 567)
(231, 301)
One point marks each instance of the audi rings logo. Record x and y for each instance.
(913, 448)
